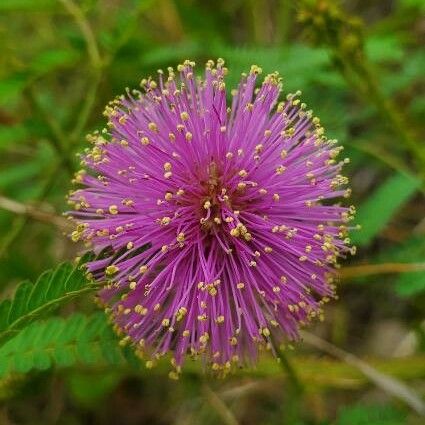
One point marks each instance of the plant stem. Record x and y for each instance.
(295, 389)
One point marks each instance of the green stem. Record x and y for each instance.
(57, 137)
(292, 375)
(87, 107)
(92, 48)
(295, 389)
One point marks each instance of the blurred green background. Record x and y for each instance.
(360, 65)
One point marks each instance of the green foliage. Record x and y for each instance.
(411, 251)
(376, 212)
(89, 388)
(371, 415)
(27, 5)
(77, 339)
(31, 301)
(52, 93)
(10, 134)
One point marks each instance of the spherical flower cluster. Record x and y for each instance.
(214, 226)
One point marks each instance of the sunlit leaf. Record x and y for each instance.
(77, 339)
(376, 212)
(368, 415)
(31, 301)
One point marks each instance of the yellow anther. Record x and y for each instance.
(262, 191)
(141, 310)
(240, 285)
(204, 338)
(165, 221)
(229, 155)
(186, 333)
(280, 169)
(130, 245)
(267, 133)
(144, 141)
(268, 249)
(168, 174)
(207, 205)
(172, 137)
(180, 237)
(168, 196)
(259, 148)
(266, 332)
(235, 232)
(113, 209)
(247, 236)
(111, 270)
(283, 154)
(184, 116)
(127, 202)
(143, 269)
(167, 166)
(219, 319)
(276, 289)
(152, 126)
(182, 311)
(173, 375)
(243, 173)
(165, 323)
(255, 69)
(133, 285)
(188, 136)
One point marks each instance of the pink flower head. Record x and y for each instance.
(213, 221)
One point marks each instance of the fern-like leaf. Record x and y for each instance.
(31, 301)
(63, 342)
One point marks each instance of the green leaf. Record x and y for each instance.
(92, 387)
(384, 48)
(10, 134)
(52, 288)
(64, 342)
(11, 88)
(28, 5)
(412, 251)
(374, 214)
(370, 415)
(409, 284)
(50, 60)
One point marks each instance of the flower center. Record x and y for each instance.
(216, 201)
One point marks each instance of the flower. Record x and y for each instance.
(214, 226)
